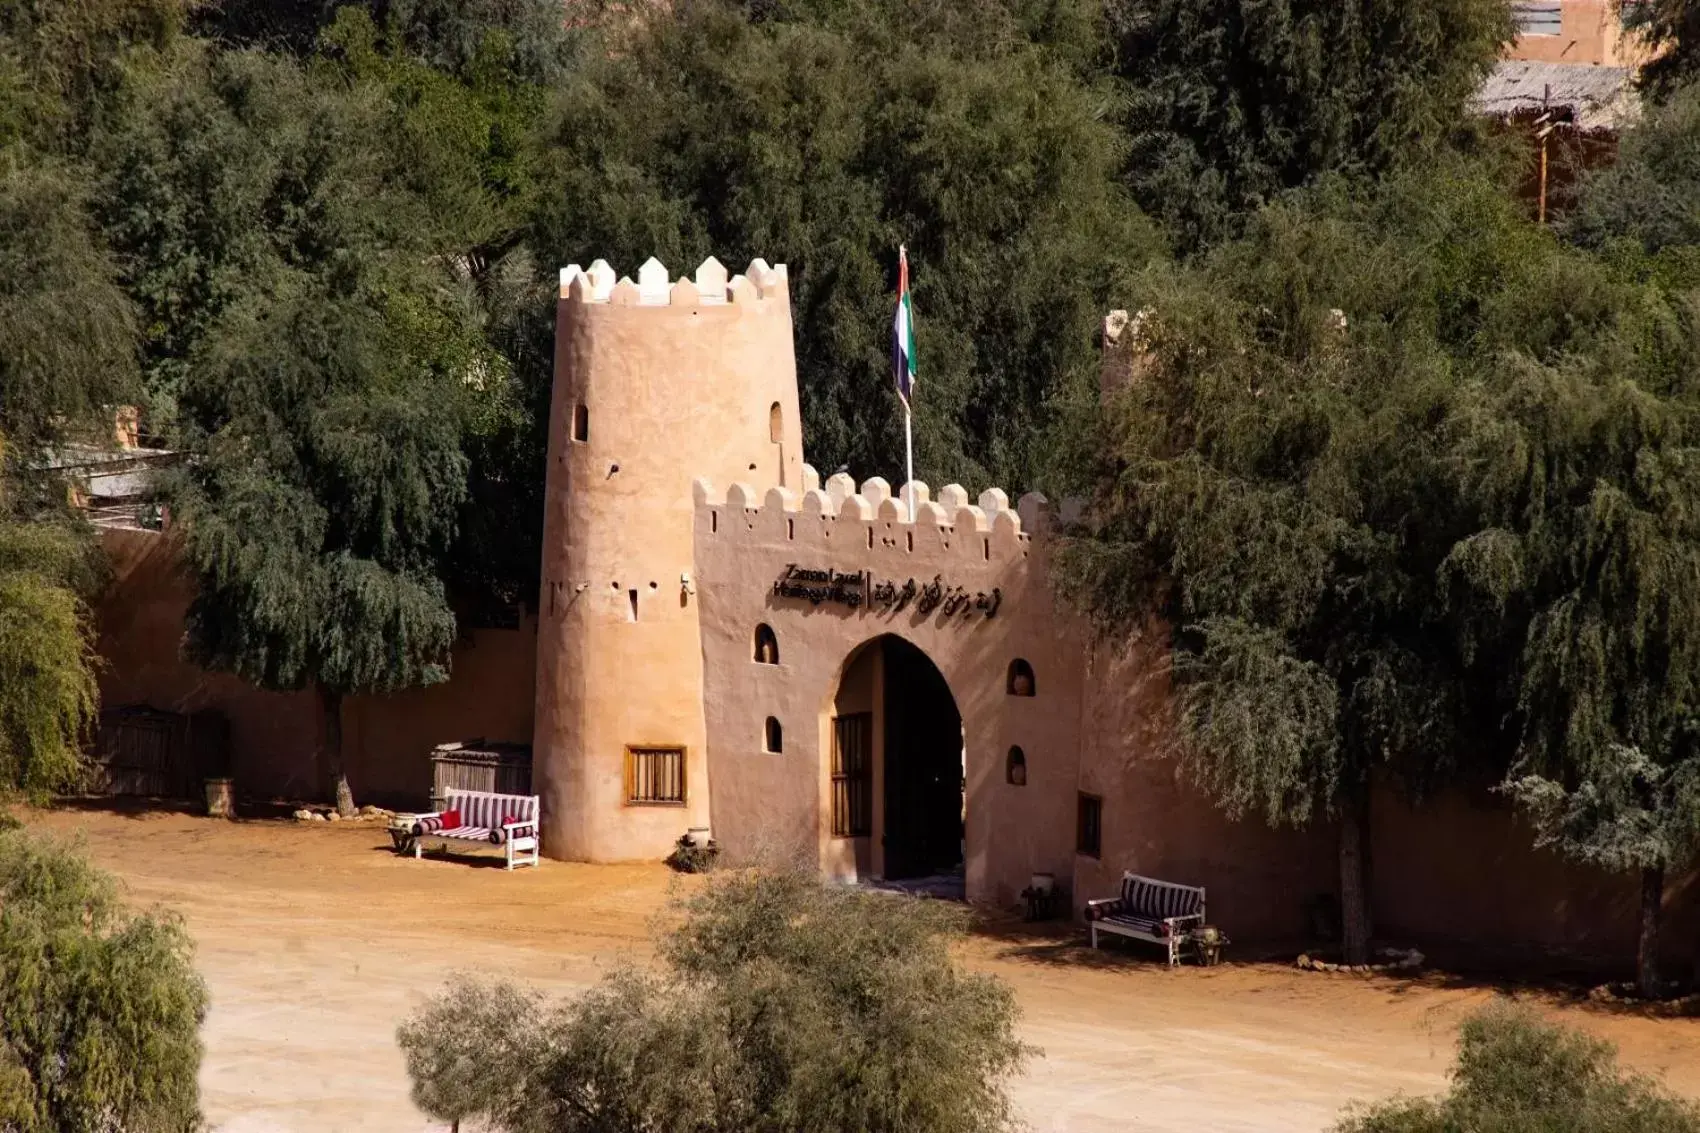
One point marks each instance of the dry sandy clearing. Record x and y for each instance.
(316, 940)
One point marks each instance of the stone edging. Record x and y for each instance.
(1392, 960)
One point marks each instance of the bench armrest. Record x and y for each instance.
(530, 825)
(1176, 922)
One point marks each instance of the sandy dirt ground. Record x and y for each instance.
(316, 940)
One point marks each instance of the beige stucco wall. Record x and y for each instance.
(139, 627)
(679, 379)
(1591, 32)
(387, 740)
(766, 804)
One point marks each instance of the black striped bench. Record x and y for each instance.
(1160, 912)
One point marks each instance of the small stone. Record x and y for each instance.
(334, 816)
(1360, 968)
(303, 815)
(317, 817)
(370, 811)
(1304, 960)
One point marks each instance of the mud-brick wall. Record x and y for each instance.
(387, 740)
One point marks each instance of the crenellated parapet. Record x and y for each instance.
(842, 517)
(759, 286)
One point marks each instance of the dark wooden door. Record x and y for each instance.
(923, 767)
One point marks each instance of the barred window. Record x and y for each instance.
(655, 776)
(1535, 18)
(853, 775)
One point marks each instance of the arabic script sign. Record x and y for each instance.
(857, 589)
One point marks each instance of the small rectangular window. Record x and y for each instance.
(853, 775)
(1539, 17)
(1089, 827)
(655, 776)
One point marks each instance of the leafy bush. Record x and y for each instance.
(100, 1009)
(780, 1004)
(1517, 1073)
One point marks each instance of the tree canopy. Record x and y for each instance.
(1231, 102)
(823, 135)
(100, 1010)
(1518, 1073)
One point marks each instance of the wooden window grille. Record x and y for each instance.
(1089, 827)
(655, 776)
(853, 775)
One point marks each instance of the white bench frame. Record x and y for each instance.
(1173, 939)
(518, 850)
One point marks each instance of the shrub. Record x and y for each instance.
(1517, 1073)
(780, 1003)
(100, 1009)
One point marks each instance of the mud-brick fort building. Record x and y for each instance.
(876, 679)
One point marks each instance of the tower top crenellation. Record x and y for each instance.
(710, 286)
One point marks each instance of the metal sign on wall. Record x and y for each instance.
(859, 589)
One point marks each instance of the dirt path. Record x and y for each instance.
(317, 940)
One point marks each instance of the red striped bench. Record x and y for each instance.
(508, 821)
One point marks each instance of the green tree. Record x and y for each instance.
(47, 665)
(67, 336)
(301, 235)
(62, 60)
(781, 1004)
(1671, 30)
(1231, 102)
(1576, 463)
(100, 1008)
(67, 330)
(1276, 481)
(1643, 210)
(822, 135)
(1517, 1073)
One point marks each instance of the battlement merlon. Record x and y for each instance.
(949, 521)
(760, 285)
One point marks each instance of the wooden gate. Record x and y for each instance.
(153, 754)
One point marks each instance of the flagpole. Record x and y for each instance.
(909, 462)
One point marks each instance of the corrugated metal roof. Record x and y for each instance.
(1599, 98)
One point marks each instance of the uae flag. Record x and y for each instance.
(903, 333)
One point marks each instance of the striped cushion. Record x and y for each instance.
(1146, 897)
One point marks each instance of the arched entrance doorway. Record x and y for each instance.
(896, 792)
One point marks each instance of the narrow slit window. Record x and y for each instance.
(631, 596)
(581, 424)
(1021, 682)
(1089, 827)
(1015, 767)
(775, 424)
(773, 736)
(767, 645)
